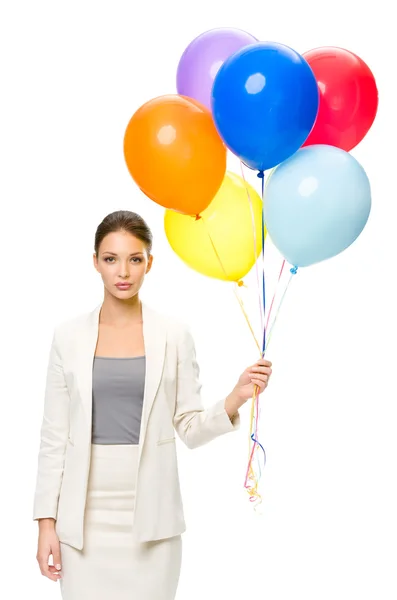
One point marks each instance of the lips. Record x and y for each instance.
(123, 286)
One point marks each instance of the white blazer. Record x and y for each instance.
(172, 401)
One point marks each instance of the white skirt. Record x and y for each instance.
(111, 565)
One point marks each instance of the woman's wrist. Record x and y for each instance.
(46, 523)
(232, 404)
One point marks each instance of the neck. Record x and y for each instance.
(120, 313)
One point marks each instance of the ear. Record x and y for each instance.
(95, 261)
(149, 263)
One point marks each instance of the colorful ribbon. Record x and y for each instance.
(256, 449)
(252, 479)
(237, 284)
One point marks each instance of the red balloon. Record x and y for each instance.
(348, 97)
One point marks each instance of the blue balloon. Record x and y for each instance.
(316, 204)
(265, 101)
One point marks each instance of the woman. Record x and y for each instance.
(120, 381)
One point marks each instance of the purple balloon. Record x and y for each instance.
(203, 58)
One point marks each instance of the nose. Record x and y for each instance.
(124, 273)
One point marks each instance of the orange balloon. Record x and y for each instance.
(175, 154)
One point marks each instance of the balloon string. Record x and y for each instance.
(293, 272)
(251, 480)
(261, 175)
(239, 299)
(252, 487)
(275, 293)
(254, 436)
(255, 246)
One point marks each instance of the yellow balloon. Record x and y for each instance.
(220, 243)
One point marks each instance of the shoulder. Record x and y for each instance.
(67, 328)
(173, 325)
(176, 328)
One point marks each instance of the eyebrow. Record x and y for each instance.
(113, 254)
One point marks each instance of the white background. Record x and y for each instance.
(72, 75)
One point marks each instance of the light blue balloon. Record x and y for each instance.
(316, 204)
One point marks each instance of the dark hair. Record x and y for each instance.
(124, 220)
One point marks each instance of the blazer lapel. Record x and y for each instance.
(154, 335)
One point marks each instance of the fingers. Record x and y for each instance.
(262, 367)
(55, 572)
(260, 373)
(47, 570)
(259, 377)
(262, 384)
(263, 362)
(263, 370)
(56, 556)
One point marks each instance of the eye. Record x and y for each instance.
(135, 258)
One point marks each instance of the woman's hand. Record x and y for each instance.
(255, 375)
(48, 544)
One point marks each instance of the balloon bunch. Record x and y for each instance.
(296, 116)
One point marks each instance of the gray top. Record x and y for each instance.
(117, 399)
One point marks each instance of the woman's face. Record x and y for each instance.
(122, 258)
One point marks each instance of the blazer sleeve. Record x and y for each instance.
(194, 424)
(54, 436)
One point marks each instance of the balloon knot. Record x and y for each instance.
(241, 283)
(197, 217)
(294, 270)
(261, 175)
